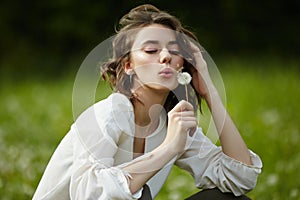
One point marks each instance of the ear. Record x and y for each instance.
(128, 68)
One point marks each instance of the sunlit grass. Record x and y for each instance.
(262, 100)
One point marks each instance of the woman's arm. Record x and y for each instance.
(180, 119)
(232, 143)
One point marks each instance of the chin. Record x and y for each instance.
(164, 86)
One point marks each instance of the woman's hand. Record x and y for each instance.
(181, 122)
(200, 75)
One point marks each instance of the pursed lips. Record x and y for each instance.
(166, 72)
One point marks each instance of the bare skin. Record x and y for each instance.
(182, 117)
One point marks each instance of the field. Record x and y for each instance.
(262, 97)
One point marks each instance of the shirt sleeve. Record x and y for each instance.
(97, 131)
(211, 168)
(93, 180)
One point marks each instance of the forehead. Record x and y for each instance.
(155, 32)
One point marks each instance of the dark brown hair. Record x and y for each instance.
(129, 25)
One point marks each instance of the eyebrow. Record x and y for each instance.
(173, 42)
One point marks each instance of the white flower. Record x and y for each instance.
(184, 78)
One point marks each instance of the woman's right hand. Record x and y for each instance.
(181, 120)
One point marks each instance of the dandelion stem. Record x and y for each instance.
(186, 93)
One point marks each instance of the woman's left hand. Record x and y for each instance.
(200, 75)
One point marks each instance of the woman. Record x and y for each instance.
(124, 146)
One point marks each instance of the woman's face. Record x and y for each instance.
(155, 58)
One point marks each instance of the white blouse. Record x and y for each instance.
(88, 162)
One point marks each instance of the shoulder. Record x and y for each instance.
(114, 102)
(108, 118)
(114, 113)
(115, 107)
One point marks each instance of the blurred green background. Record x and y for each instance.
(255, 45)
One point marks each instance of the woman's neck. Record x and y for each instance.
(147, 109)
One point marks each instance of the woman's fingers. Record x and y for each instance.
(183, 106)
(200, 62)
(184, 113)
(181, 121)
(183, 116)
(195, 48)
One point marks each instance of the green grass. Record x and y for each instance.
(262, 98)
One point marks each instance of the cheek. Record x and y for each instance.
(177, 63)
(139, 59)
(145, 67)
(147, 73)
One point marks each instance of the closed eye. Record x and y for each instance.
(151, 51)
(157, 50)
(174, 52)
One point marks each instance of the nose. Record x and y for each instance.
(165, 56)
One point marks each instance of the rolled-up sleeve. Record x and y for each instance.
(211, 168)
(93, 180)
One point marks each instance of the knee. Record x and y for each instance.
(216, 194)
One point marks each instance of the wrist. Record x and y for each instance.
(169, 149)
